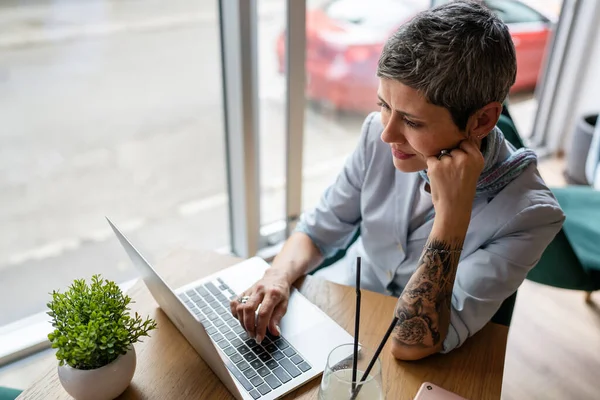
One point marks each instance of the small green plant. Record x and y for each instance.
(92, 325)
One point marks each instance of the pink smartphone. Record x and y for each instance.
(429, 391)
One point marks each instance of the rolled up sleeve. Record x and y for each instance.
(333, 222)
(494, 272)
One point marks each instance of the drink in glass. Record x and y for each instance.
(337, 377)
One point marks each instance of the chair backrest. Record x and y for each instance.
(504, 314)
(339, 255)
(559, 267)
(508, 128)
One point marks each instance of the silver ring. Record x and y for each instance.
(244, 299)
(444, 153)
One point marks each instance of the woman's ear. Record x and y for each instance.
(484, 120)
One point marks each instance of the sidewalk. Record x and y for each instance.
(61, 20)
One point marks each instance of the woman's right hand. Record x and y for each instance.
(272, 294)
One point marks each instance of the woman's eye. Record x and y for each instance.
(383, 105)
(410, 123)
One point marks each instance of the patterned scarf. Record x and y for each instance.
(498, 173)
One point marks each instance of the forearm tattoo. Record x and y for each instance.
(423, 309)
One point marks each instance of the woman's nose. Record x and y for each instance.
(392, 133)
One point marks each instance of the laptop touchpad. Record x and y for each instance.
(301, 315)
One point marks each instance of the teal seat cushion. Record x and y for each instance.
(8, 393)
(559, 267)
(581, 205)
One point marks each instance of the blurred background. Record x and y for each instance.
(115, 108)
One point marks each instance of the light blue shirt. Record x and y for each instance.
(506, 237)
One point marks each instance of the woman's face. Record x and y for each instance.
(414, 128)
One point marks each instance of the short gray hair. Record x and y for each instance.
(459, 56)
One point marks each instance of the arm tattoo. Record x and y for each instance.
(423, 308)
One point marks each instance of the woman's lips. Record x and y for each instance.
(400, 155)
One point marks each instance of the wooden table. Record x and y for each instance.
(169, 368)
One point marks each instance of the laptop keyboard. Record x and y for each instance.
(260, 368)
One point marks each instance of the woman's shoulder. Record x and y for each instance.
(530, 188)
(527, 200)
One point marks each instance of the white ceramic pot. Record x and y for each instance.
(104, 383)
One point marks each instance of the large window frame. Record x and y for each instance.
(240, 87)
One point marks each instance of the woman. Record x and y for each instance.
(451, 217)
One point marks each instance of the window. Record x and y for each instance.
(107, 110)
(378, 14)
(514, 12)
(343, 43)
(510, 11)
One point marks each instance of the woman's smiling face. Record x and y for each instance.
(414, 128)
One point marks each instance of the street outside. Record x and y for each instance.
(114, 108)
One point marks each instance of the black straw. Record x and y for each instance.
(372, 362)
(356, 324)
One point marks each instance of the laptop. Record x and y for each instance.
(200, 310)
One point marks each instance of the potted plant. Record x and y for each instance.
(94, 336)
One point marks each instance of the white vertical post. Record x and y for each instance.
(238, 28)
(295, 103)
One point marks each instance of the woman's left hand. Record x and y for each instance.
(453, 178)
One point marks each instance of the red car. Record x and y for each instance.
(344, 39)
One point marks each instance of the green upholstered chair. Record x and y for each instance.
(8, 393)
(572, 260)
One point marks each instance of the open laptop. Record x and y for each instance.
(200, 310)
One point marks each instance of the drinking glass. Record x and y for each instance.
(337, 377)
